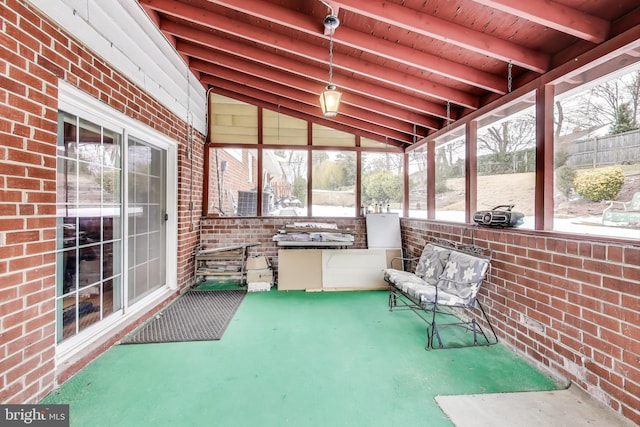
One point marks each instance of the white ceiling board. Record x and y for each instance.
(122, 33)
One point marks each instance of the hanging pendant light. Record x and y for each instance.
(330, 101)
(330, 97)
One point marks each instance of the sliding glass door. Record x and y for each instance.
(111, 225)
(89, 225)
(146, 213)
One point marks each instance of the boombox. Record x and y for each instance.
(500, 216)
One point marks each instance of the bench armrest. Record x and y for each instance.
(614, 203)
(402, 260)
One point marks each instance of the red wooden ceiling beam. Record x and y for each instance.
(302, 83)
(375, 94)
(313, 52)
(555, 15)
(458, 35)
(155, 18)
(291, 91)
(370, 44)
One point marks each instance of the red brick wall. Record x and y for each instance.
(220, 232)
(34, 54)
(570, 305)
(190, 196)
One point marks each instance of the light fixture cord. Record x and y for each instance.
(331, 57)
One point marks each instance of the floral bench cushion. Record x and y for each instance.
(457, 276)
(431, 263)
(410, 284)
(461, 280)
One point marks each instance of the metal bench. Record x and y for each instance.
(443, 290)
(627, 213)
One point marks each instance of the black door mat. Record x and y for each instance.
(194, 316)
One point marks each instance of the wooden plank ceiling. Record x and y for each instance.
(406, 67)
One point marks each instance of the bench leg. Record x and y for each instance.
(434, 329)
(393, 300)
(436, 334)
(429, 338)
(486, 318)
(476, 329)
(471, 325)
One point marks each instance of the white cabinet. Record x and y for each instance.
(383, 231)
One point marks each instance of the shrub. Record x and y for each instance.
(560, 158)
(382, 186)
(441, 185)
(564, 179)
(600, 184)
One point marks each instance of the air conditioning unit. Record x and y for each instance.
(247, 203)
(500, 216)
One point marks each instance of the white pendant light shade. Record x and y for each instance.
(330, 101)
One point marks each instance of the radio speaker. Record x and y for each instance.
(500, 216)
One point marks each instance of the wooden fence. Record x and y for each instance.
(610, 150)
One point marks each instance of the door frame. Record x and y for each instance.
(74, 101)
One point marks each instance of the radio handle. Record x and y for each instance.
(507, 207)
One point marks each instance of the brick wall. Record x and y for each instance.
(569, 305)
(220, 232)
(190, 197)
(34, 54)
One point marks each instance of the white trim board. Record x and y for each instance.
(122, 34)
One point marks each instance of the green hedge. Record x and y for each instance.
(565, 175)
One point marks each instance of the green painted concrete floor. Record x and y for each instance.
(293, 359)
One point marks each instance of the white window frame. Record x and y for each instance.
(74, 101)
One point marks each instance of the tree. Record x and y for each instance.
(297, 161)
(300, 189)
(599, 106)
(346, 161)
(633, 88)
(333, 170)
(509, 136)
(372, 162)
(448, 160)
(508, 144)
(559, 120)
(326, 176)
(382, 186)
(623, 122)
